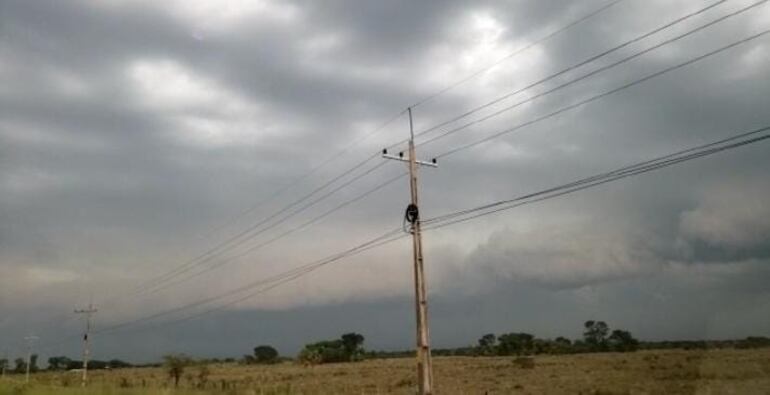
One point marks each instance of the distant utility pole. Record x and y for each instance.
(86, 352)
(30, 341)
(4, 365)
(424, 366)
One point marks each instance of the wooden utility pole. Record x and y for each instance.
(424, 365)
(86, 352)
(30, 341)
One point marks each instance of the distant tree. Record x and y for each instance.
(754, 342)
(310, 355)
(487, 344)
(515, 344)
(20, 365)
(622, 341)
(543, 346)
(75, 364)
(33, 363)
(3, 365)
(353, 344)
(595, 335)
(96, 364)
(175, 365)
(562, 345)
(118, 364)
(58, 363)
(265, 355)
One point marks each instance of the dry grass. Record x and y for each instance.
(647, 372)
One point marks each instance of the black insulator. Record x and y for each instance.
(412, 213)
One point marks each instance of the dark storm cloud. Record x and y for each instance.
(129, 129)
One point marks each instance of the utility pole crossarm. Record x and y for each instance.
(400, 157)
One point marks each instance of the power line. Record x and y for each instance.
(518, 52)
(744, 138)
(572, 67)
(252, 231)
(605, 94)
(306, 268)
(286, 233)
(395, 237)
(269, 282)
(271, 226)
(312, 171)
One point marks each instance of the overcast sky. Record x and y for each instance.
(137, 135)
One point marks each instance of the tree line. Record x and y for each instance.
(59, 363)
(597, 337)
(349, 347)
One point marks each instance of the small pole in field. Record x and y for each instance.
(86, 352)
(30, 342)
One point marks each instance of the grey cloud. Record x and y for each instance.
(100, 182)
(564, 256)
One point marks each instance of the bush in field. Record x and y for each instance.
(75, 364)
(324, 352)
(58, 363)
(562, 345)
(524, 362)
(754, 342)
(348, 348)
(622, 341)
(20, 365)
(118, 364)
(203, 376)
(265, 355)
(175, 365)
(515, 344)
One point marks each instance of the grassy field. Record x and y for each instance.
(645, 372)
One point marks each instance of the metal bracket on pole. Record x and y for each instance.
(400, 157)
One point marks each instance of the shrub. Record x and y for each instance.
(346, 349)
(524, 362)
(175, 365)
(265, 355)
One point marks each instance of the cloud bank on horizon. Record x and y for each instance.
(130, 131)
